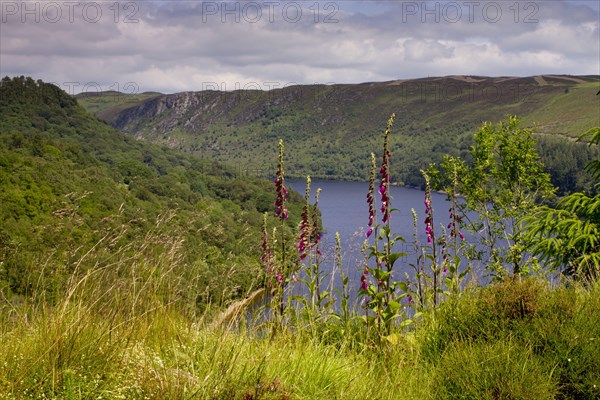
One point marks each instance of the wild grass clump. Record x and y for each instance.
(515, 339)
(492, 370)
(549, 335)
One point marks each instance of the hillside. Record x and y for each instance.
(330, 129)
(106, 105)
(113, 253)
(78, 195)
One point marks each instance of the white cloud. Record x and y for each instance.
(423, 50)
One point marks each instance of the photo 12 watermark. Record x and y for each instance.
(485, 92)
(53, 12)
(115, 90)
(491, 12)
(263, 90)
(270, 11)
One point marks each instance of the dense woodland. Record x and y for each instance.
(71, 184)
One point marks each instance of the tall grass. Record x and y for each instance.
(128, 325)
(127, 329)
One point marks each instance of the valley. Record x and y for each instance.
(330, 129)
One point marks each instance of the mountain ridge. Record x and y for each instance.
(331, 129)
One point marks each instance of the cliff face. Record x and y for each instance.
(194, 111)
(162, 114)
(479, 96)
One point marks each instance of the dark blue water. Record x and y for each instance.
(345, 210)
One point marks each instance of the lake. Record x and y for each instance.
(344, 209)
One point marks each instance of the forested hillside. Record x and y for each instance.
(78, 195)
(329, 129)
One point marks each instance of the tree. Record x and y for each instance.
(568, 238)
(502, 184)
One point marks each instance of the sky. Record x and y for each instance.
(173, 46)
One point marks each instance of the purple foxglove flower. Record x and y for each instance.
(280, 189)
(363, 282)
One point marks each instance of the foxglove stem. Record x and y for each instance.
(384, 185)
(267, 257)
(370, 197)
(305, 224)
(384, 190)
(316, 234)
(419, 268)
(363, 279)
(455, 221)
(316, 237)
(267, 254)
(281, 191)
(282, 214)
(455, 218)
(429, 230)
(445, 261)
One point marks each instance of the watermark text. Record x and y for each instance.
(68, 11)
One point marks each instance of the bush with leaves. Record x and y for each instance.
(568, 238)
(503, 182)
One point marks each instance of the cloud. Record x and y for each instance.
(190, 45)
(423, 50)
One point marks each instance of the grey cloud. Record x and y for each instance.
(174, 47)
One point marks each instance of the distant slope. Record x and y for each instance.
(70, 184)
(106, 105)
(330, 130)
